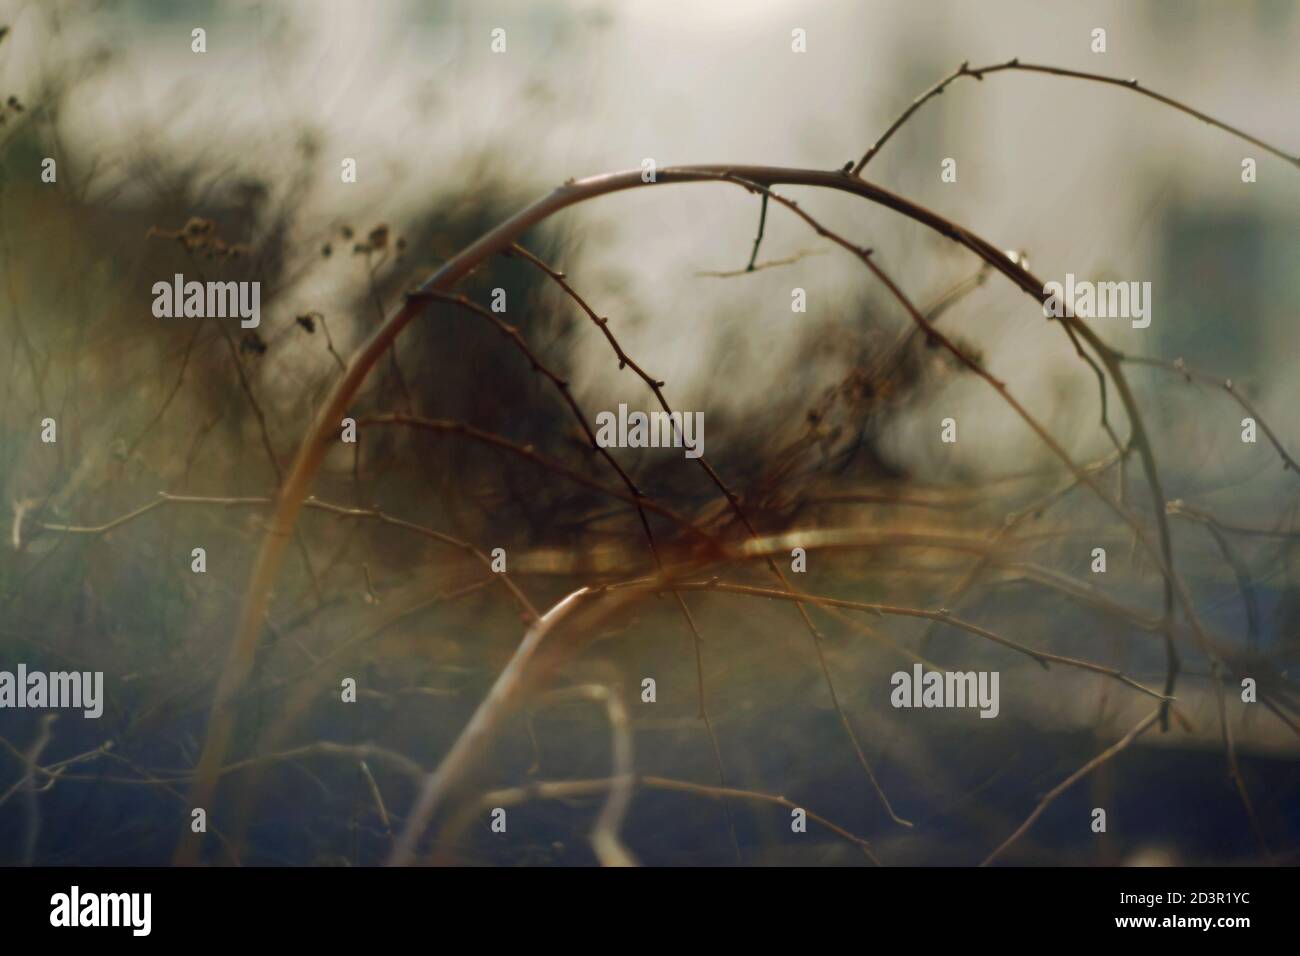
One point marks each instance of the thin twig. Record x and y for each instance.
(1014, 64)
(568, 789)
(1071, 780)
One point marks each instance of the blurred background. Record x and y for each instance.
(226, 165)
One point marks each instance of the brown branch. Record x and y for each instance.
(312, 450)
(604, 837)
(471, 744)
(1071, 780)
(967, 581)
(377, 797)
(638, 497)
(759, 267)
(656, 386)
(28, 782)
(1239, 569)
(568, 789)
(1179, 507)
(1043, 658)
(1164, 557)
(271, 456)
(529, 453)
(343, 511)
(1178, 367)
(1014, 64)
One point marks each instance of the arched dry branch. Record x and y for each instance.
(1106, 362)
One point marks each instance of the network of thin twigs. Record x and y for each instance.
(680, 553)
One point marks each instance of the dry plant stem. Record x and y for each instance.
(52, 772)
(473, 740)
(697, 641)
(1043, 658)
(1071, 780)
(963, 586)
(271, 456)
(529, 453)
(56, 772)
(1234, 769)
(511, 332)
(1178, 367)
(1179, 507)
(1240, 571)
(758, 239)
(1015, 65)
(638, 497)
(989, 553)
(656, 386)
(375, 514)
(1081, 592)
(164, 778)
(604, 837)
(605, 840)
(298, 691)
(342, 511)
(569, 789)
(394, 610)
(327, 748)
(761, 547)
(855, 624)
(32, 760)
(315, 443)
(1073, 325)
(933, 311)
(768, 264)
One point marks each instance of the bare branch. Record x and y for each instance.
(1014, 64)
(1119, 746)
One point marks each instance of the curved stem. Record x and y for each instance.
(311, 452)
(1014, 64)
